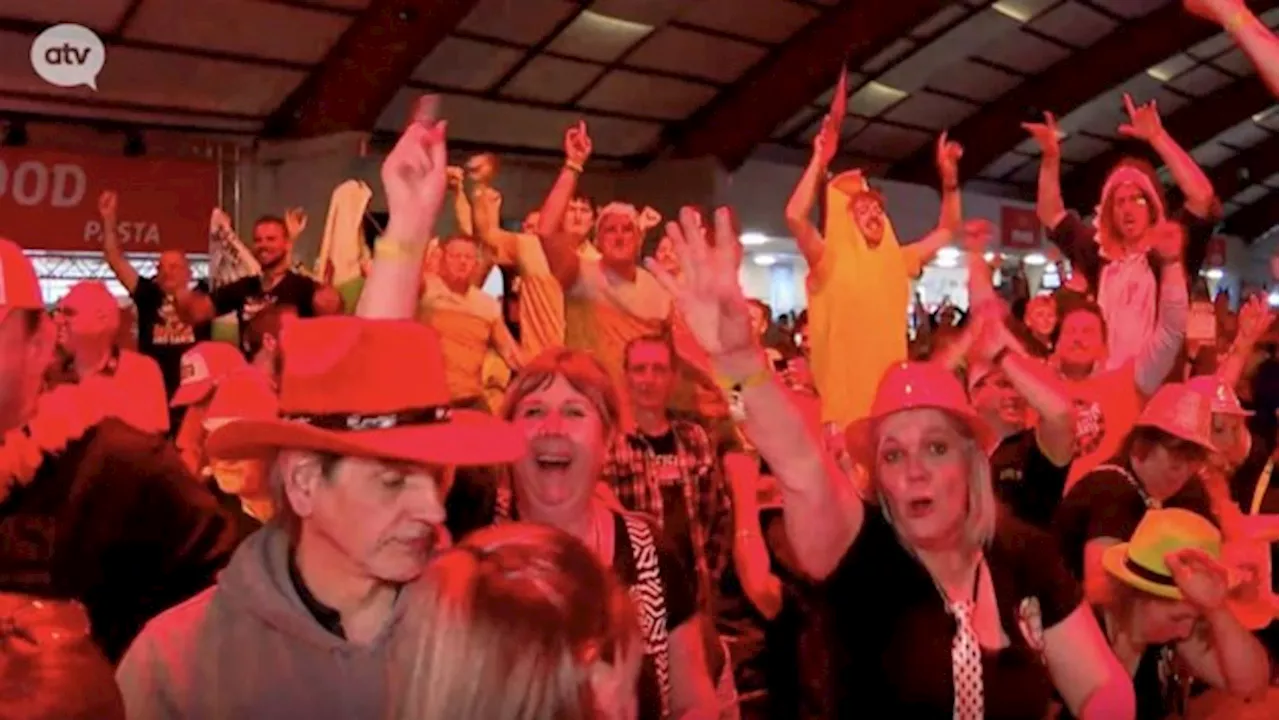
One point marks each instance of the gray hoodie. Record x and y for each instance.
(248, 648)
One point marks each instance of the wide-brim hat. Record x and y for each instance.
(912, 386)
(1140, 562)
(1180, 411)
(368, 388)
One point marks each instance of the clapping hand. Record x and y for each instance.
(1144, 121)
(1046, 136)
(1200, 577)
(415, 177)
(295, 221)
(707, 291)
(1254, 319)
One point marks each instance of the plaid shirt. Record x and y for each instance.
(631, 469)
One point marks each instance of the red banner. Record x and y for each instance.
(1216, 253)
(1019, 228)
(49, 200)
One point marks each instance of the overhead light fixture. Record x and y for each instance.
(750, 239)
(764, 260)
(1010, 11)
(1212, 273)
(1035, 259)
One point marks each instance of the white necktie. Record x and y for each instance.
(966, 664)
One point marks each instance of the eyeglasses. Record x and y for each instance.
(45, 623)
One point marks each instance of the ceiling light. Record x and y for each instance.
(754, 238)
(888, 92)
(1212, 273)
(1009, 11)
(764, 260)
(606, 23)
(1035, 259)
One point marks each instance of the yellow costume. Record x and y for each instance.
(858, 298)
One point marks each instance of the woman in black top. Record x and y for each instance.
(942, 609)
(566, 404)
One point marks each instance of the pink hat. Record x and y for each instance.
(911, 386)
(203, 367)
(19, 287)
(1222, 399)
(1182, 412)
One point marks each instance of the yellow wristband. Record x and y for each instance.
(1238, 19)
(755, 379)
(394, 251)
(575, 167)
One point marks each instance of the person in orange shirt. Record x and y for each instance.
(1108, 401)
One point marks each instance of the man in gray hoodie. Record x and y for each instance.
(362, 451)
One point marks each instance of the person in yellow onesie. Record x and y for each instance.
(859, 276)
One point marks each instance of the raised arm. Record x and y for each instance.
(1255, 318)
(560, 249)
(486, 211)
(1157, 357)
(799, 209)
(414, 177)
(107, 206)
(1249, 33)
(1144, 124)
(823, 513)
(1049, 205)
(947, 156)
(750, 553)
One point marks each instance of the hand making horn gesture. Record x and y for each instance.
(1046, 135)
(1144, 121)
(415, 175)
(707, 291)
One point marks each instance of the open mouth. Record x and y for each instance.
(553, 462)
(919, 507)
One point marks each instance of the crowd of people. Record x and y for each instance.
(638, 494)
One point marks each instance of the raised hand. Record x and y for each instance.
(414, 175)
(1215, 11)
(219, 222)
(649, 219)
(295, 221)
(1046, 135)
(947, 155)
(577, 144)
(453, 175)
(826, 142)
(1144, 120)
(707, 292)
(1201, 578)
(1168, 239)
(1254, 319)
(107, 205)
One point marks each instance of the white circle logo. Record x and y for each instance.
(68, 55)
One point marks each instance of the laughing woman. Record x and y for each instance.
(942, 606)
(566, 404)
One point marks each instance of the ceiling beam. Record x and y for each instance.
(804, 67)
(365, 69)
(1128, 50)
(1248, 167)
(1192, 125)
(1254, 219)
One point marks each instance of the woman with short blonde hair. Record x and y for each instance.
(518, 621)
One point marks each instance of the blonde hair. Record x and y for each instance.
(582, 371)
(512, 625)
(980, 518)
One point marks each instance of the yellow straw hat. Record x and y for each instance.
(1140, 563)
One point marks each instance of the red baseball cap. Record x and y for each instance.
(203, 367)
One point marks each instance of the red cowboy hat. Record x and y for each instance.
(1180, 411)
(368, 388)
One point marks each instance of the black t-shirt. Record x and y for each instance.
(246, 298)
(1105, 503)
(163, 335)
(1026, 481)
(892, 632)
(1248, 477)
(116, 522)
(670, 481)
